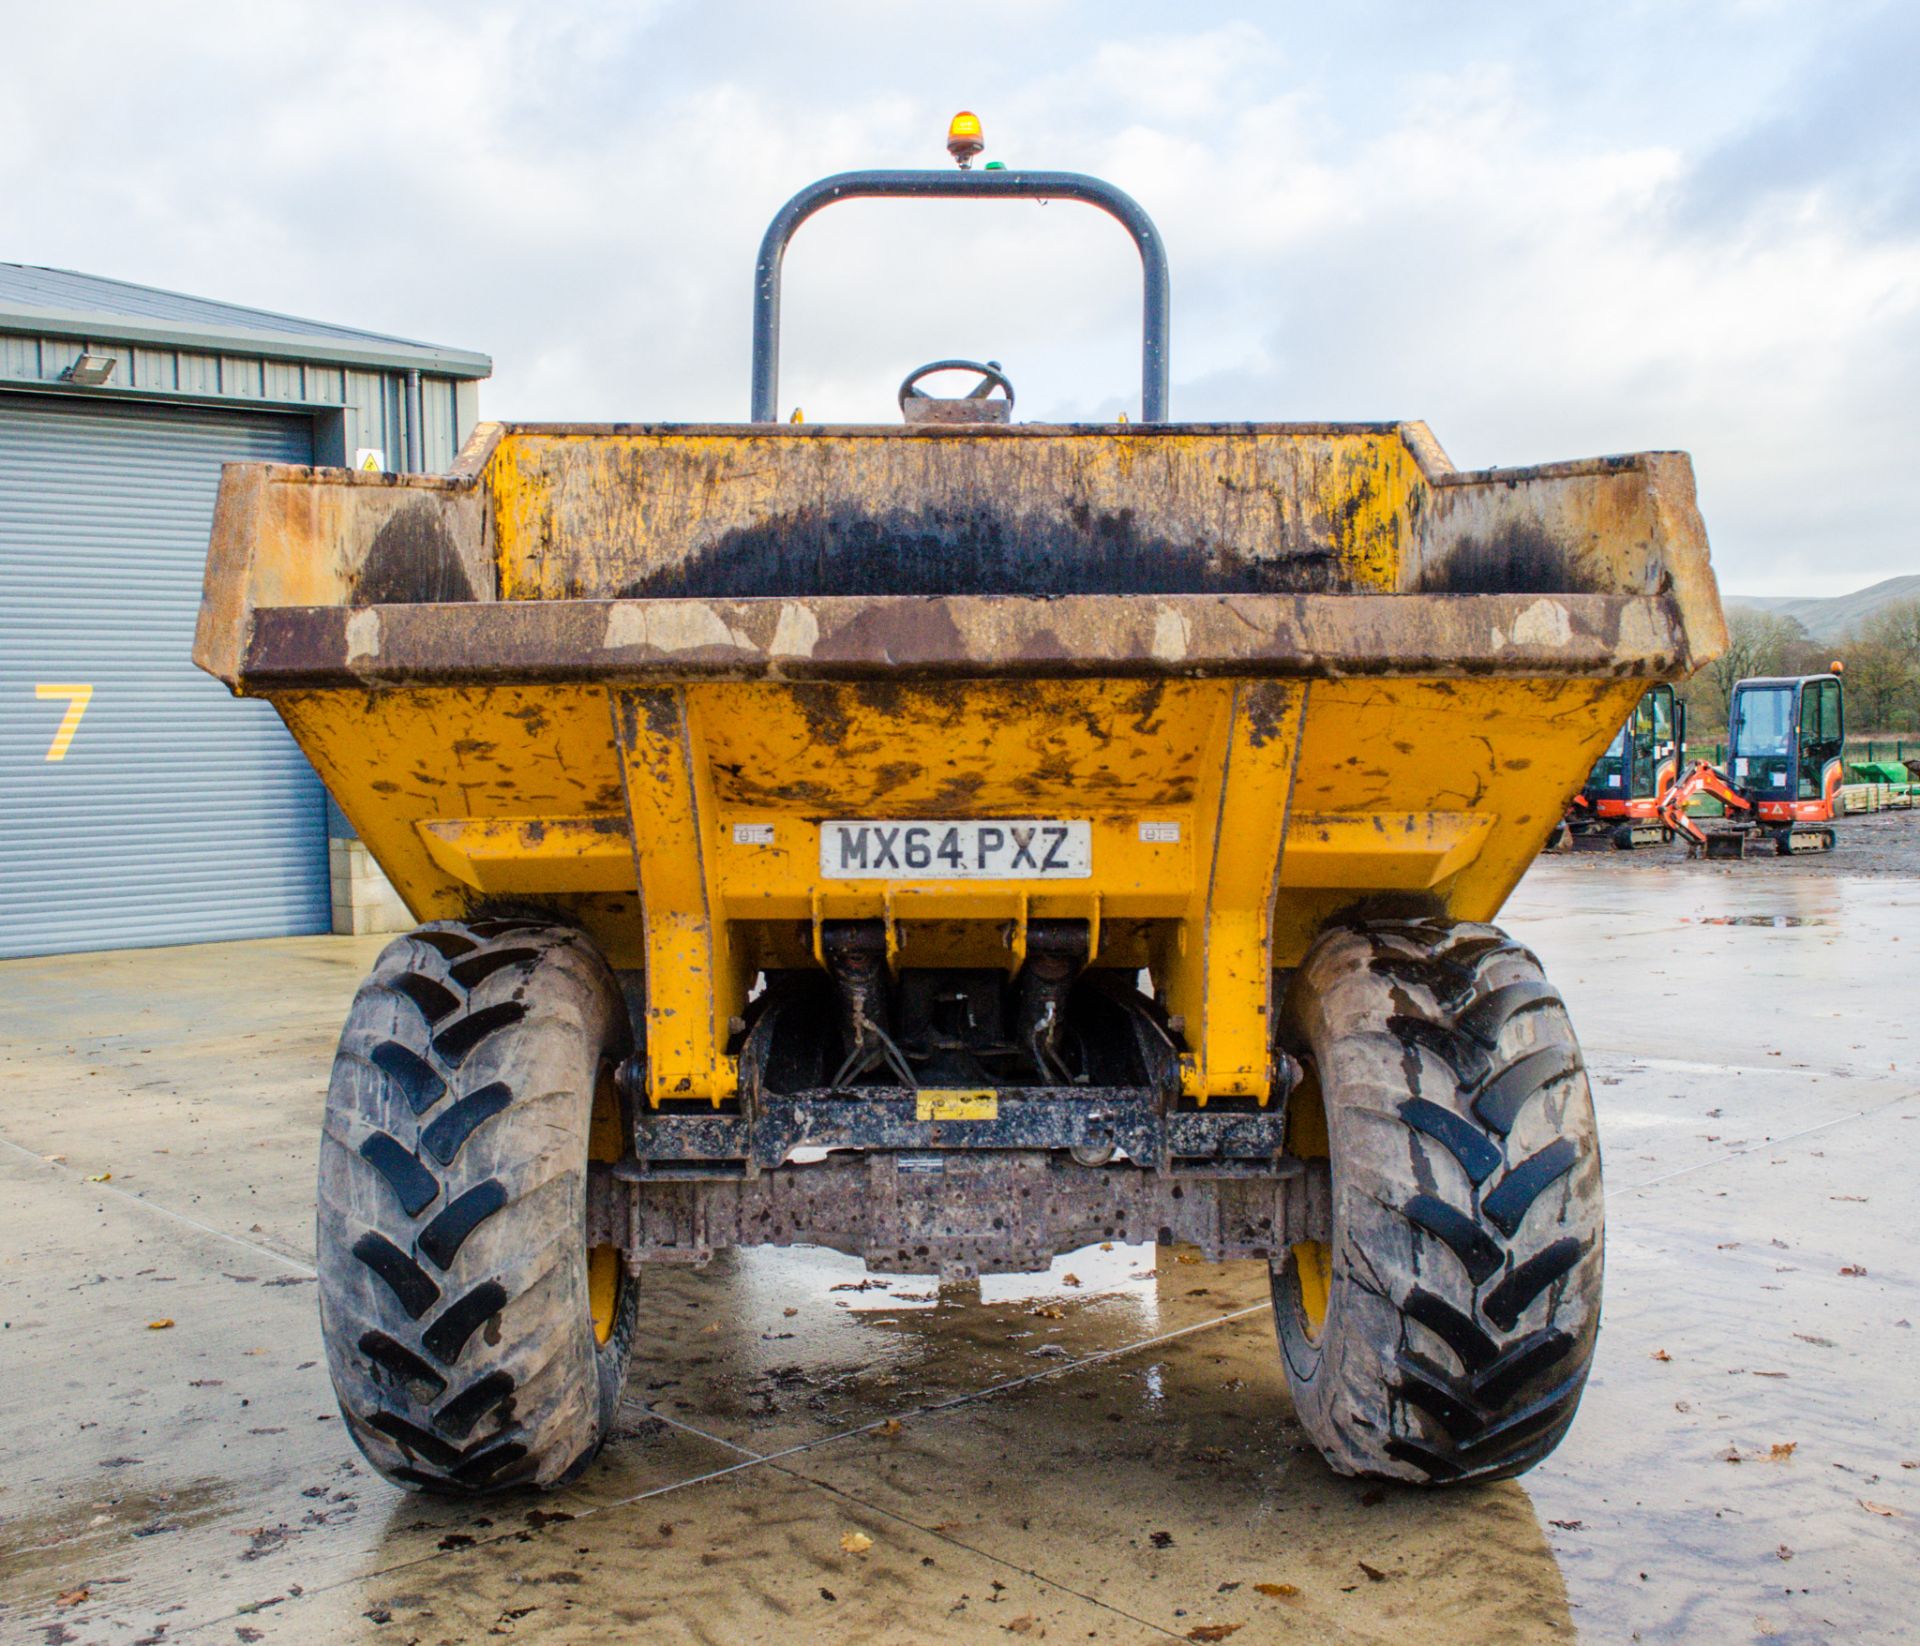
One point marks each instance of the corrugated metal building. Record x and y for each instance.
(138, 802)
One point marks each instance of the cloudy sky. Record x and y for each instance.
(1550, 229)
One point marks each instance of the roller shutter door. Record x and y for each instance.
(139, 803)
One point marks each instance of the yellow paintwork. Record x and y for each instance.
(497, 855)
(1313, 1273)
(657, 768)
(930, 1103)
(77, 698)
(1268, 805)
(606, 1274)
(1312, 1259)
(592, 513)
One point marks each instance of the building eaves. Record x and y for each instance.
(62, 303)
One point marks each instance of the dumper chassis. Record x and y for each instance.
(956, 844)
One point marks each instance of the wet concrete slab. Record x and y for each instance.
(1102, 1452)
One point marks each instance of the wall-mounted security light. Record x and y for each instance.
(91, 370)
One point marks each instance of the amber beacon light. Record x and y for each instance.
(964, 140)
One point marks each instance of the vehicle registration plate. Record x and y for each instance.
(1002, 849)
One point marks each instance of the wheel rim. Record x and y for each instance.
(1312, 1265)
(605, 1277)
(606, 1272)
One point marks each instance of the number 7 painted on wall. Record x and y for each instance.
(78, 697)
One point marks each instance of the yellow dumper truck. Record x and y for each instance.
(953, 844)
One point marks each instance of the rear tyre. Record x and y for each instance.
(1445, 1330)
(474, 1340)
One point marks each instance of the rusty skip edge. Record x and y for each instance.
(1008, 1212)
(854, 637)
(470, 463)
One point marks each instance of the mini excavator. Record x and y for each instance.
(1786, 736)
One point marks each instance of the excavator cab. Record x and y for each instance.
(1619, 805)
(1785, 738)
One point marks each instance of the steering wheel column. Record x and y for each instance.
(978, 405)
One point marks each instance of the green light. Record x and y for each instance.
(994, 165)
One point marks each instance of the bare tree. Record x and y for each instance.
(1883, 667)
(1758, 643)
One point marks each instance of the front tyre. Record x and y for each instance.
(474, 1339)
(1445, 1331)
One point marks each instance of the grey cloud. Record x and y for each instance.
(1844, 123)
(1527, 225)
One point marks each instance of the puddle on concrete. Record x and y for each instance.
(36, 1549)
(1781, 920)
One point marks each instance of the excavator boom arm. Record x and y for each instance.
(1704, 778)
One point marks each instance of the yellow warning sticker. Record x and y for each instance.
(934, 1104)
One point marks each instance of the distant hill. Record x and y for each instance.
(1830, 619)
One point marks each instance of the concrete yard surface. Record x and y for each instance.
(1105, 1452)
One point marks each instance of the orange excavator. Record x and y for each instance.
(1785, 740)
(1619, 804)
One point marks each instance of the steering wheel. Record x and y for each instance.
(991, 377)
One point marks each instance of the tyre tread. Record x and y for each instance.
(447, 1350)
(1453, 1368)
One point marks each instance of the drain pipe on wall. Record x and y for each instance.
(413, 418)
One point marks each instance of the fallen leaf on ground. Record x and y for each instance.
(1214, 1631)
(1661, 1354)
(1161, 1540)
(101, 1177)
(73, 1597)
(1374, 1574)
(1817, 1342)
(1873, 1508)
(1048, 1312)
(855, 1543)
(1069, 1280)
(1783, 1553)
(1106, 1245)
(892, 1426)
(789, 1313)
(1855, 1269)
(1020, 1625)
(159, 1325)
(1781, 1450)
(1569, 1525)
(1276, 1591)
(1185, 1257)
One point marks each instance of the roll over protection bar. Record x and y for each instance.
(1156, 304)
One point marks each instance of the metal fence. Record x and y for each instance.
(1897, 749)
